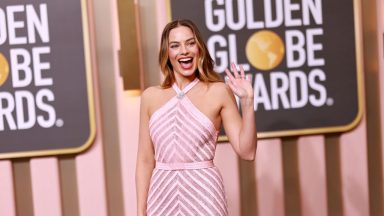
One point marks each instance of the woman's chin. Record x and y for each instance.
(187, 73)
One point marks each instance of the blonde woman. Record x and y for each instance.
(179, 126)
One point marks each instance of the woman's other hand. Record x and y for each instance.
(239, 83)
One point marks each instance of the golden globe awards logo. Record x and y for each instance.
(19, 109)
(265, 50)
(295, 53)
(46, 104)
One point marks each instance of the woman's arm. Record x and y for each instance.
(240, 130)
(145, 158)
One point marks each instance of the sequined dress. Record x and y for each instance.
(185, 180)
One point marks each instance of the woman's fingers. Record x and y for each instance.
(235, 72)
(236, 77)
(248, 77)
(242, 74)
(239, 82)
(229, 74)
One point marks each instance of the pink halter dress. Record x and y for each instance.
(185, 180)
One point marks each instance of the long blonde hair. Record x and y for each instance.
(205, 63)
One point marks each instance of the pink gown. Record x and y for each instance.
(185, 181)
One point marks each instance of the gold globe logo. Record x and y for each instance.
(4, 69)
(265, 50)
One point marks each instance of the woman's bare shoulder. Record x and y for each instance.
(151, 93)
(217, 85)
(154, 97)
(219, 89)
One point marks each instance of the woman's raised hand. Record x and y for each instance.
(240, 84)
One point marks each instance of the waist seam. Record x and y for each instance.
(184, 166)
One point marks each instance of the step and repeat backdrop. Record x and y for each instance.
(303, 57)
(46, 104)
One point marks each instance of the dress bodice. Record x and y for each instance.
(180, 132)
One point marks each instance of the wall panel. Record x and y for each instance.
(313, 181)
(130, 121)
(46, 186)
(380, 39)
(68, 186)
(333, 173)
(354, 172)
(7, 194)
(23, 186)
(90, 166)
(291, 180)
(374, 108)
(269, 178)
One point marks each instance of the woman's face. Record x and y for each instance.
(183, 51)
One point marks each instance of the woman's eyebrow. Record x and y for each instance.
(192, 38)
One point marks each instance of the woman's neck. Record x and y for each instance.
(182, 81)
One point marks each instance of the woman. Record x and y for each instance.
(179, 123)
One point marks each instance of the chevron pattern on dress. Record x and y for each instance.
(187, 193)
(182, 134)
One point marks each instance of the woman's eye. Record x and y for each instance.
(173, 46)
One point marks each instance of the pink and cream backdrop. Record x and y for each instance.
(334, 174)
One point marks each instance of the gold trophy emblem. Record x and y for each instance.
(4, 69)
(265, 50)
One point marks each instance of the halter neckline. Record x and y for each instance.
(181, 93)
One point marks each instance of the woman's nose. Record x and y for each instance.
(184, 49)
